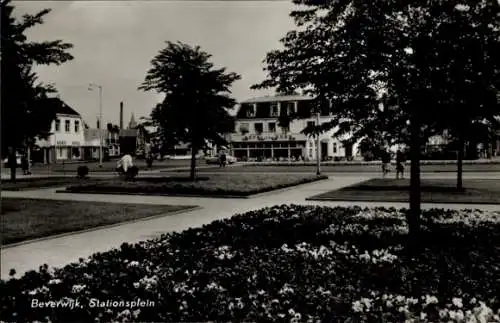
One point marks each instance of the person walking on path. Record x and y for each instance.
(386, 160)
(400, 168)
(149, 161)
(223, 160)
(25, 165)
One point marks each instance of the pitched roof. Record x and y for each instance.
(62, 108)
(278, 98)
(128, 132)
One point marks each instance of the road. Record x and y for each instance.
(107, 166)
(183, 165)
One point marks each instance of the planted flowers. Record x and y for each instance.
(286, 263)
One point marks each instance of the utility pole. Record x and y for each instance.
(91, 87)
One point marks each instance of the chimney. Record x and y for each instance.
(121, 115)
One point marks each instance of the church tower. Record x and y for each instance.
(132, 124)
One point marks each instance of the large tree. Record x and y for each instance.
(25, 110)
(467, 72)
(344, 51)
(197, 98)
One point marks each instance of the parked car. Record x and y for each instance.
(216, 160)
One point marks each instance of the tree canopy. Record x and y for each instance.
(434, 65)
(25, 110)
(197, 97)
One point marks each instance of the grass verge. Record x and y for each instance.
(25, 219)
(476, 191)
(45, 182)
(218, 185)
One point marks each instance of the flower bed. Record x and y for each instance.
(285, 263)
(220, 185)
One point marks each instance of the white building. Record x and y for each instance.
(66, 139)
(257, 134)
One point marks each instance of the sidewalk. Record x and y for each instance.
(61, 251)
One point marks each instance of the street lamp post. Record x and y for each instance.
(318, 144)
(92, 86)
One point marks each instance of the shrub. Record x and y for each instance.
(132, 172)
(82, 171)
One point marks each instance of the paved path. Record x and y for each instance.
(63, 250)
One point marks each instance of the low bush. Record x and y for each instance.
(284, 263)
(82, 171)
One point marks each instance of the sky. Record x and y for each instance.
(115, 41)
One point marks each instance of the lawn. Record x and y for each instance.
(476, 191)
(219, 185)
(24, 219)
(46, 182)
(286, 263)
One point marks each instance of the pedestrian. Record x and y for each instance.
(400, 168)
(386, 160)
(223, 159)
(149, 161)
(25, 165)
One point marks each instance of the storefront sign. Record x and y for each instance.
(268, 137)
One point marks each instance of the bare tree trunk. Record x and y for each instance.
(460, 158)
(415, 199)
(193, 162)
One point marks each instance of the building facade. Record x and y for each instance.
(66, 139)
(258, 134)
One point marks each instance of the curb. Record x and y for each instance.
(319, 199)
(154, 194)
(102, 227)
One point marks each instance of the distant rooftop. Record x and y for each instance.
(62, 108)
(278, 98)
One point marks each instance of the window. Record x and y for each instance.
(58, 125)
(272, 126)
(334, 147)
(274, 109)
(285, 130)
(244, 128)
(250, 111)
(310, 124)
(77, 126)
(67, 126)
(290, 108)
(259, 128)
